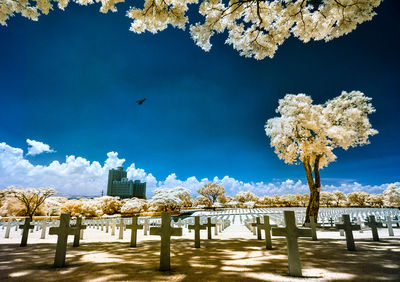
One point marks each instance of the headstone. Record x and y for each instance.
(348, 229)
(146, 227)
(313, 226)
(374, 227)
(44, 229)
(197, 227)
(79, 227)
(25, 231)
(341, 232)
(121, 226)
(165, 231)
(134, 227)
(62, 231)
(256, 225)
(292, 232)
(331, 222)
(107, 225)
(267, 228)
(389, 223)
(113, 225)
(216, 227)
(209, 226)
(8, 228)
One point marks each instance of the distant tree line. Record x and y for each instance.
(42, 202)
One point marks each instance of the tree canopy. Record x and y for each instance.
(255, 28)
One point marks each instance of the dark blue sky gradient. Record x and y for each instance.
(71, 80)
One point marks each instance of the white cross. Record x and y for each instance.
(134, 227)
(197, 227)
(165, 231)
(62, 231)
(292, 232)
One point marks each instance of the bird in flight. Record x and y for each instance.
(140, 102)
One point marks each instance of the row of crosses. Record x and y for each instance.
(290, 231)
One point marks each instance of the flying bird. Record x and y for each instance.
(140, 102)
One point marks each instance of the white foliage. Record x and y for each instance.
(133, 205)
(255, 28)
(304, 130)
(391, 195)
(168, 198)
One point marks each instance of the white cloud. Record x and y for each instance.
(37, 147)
(79, 176)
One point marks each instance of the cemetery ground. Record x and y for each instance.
(233, 255)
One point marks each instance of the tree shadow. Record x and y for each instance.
(216, 260)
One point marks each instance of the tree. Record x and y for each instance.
(358, 199)
(391, 195)
(309, 133)
(338, 197)
(168, 199)
(302, 199)
(255, 27)
(375, 200)
(203, 201)
(326, 198)
(212, 191)
(109, 205)
(134, 205)
(31, 198)
(245, 196)
(288, 200)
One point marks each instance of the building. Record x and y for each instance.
(119, 185)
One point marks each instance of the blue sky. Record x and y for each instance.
(71, 80)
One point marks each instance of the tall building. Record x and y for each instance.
(119, 185)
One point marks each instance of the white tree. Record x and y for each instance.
(133, 205)
(212, 191)
(169, 199)
(255, 27)
(309, 133)
(245, 196)
(391, 195)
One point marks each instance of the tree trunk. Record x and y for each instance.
(314, 185)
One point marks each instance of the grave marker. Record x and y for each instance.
(267, 229)
(348, 229)
(134, 227)
(197, 227)
(8, 228)
(25, 231)
(257, 226)
(313, 226)
(209, 225)
(374, 227)
(389, 223)
(79, 227)
(292, 232)
(62, 231)
(44, 229)
(121, 226)
(165, 231)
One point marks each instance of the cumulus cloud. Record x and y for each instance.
(79, 176)
(37, 147)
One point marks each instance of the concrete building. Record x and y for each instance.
(119, 185)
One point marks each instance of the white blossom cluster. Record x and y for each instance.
(255, 27)
(156, 15)
(305, 130)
